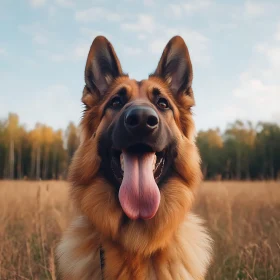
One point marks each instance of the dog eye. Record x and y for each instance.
(162, 103)
(116, 102)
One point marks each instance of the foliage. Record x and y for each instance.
(241, 152)
(36, 154)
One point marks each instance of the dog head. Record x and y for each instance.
(137, 164)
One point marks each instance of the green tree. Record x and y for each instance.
(210, 144)
(240, 136)
(47, 140)
(12, 133)
(72, 138)
(3, 149)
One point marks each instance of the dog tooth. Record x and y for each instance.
(154, 163)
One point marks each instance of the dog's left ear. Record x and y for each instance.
(102, 66)
(175, 66)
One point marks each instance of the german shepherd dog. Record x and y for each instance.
(134, 175)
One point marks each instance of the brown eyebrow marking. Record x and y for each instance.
(122, 87)
(156, 91)
(122, 91)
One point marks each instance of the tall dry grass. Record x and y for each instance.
(32, 218)
(243, 218)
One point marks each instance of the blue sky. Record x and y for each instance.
(234, 46)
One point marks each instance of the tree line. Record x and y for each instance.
(40, 153)
(242, 152)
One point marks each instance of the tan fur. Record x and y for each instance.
(172, 245)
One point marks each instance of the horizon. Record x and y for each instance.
(221, 131)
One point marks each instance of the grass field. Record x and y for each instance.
(243, 218)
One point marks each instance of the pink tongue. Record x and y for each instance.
(139, 194)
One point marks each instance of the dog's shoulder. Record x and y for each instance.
(78, 251)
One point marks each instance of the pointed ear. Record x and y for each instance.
(175, 66)
(102, 66)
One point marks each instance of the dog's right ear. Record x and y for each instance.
(102, 66)
(175, 66)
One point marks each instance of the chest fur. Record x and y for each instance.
(187, 256)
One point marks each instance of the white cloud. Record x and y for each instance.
(255, 89)
(58, 57)
(52, 11)
(81, 51)
(271, 52)
(276, 117)
(277, 33)
(258, 92)
(144, 23)
(142, 37)
(255, 97)
(231, 112)
(74, 53)
(131, 51)
(65, 3)
(197, 43)
(174, 10)
(37, 3)
(149, 2)
(97, 14)
(61, 3)
(255, 8)
(2, 51)
(157, 45)
(273, 55)
(40, 39)
(91, 33)
(38, 33)
(196, 5)
(220, 27)
(158, 35)
(30, 61)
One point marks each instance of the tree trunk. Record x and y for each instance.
(238, 164)
(33, 160)
(6, 165)
(46, 164)
(228, 169)
(54, 164)
(12, 160)
(38, 163)
(271, 166)
(248, 177)
(19, 165)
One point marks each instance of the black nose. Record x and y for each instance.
(141, 119)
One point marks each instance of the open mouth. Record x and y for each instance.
(117, 163)
(138, 169)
